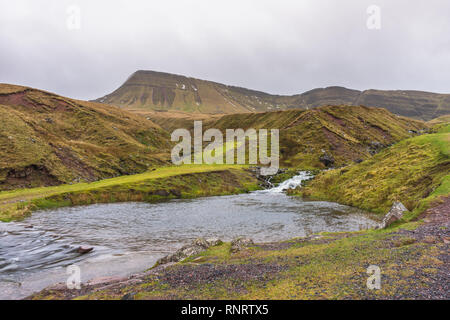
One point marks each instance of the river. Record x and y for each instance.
(130, 237)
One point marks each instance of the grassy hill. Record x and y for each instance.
(414, 171)
(345, 133)
(164, 183)
(151, 90)
(441, 124)
(46, 139)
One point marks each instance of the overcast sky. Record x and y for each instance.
(282, 47)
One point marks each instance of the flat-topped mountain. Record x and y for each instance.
(151, 90)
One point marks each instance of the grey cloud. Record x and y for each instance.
(282, 47)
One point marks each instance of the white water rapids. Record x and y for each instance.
(291, 183)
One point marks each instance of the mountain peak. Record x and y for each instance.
(161, 91)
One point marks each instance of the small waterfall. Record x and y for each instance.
(292, 183)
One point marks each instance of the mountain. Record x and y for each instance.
(151, 90)
(46, 139)
(164, 91)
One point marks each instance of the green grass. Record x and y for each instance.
(414, 171)
(345, 132)
(159, 184)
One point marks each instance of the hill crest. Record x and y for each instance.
(160, 91)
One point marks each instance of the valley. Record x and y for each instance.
(61, 155)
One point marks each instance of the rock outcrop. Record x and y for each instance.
(395, 214)
(197, 246)
(327, 159)
(240, 243)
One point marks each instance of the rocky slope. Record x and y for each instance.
(46, 139)
(150, 90)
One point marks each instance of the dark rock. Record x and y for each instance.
(175, 192)
(375, 147)
(162, 193)
(129, 296)
(263, 179)
(327, 159)
(84, 250)
(358, 160)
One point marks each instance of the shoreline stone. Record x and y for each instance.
(197, 246)
(240, 243)
(394, 214)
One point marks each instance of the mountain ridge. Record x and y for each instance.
(161, 91)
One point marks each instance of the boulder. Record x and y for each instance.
(212, 242)
(197, 246)
(240, 243)
(176, 193)
(84, 250)
(395, 214)
(200, 242)
(162, 193)
(375, 147)
(327, 159)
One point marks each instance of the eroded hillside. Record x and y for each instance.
(46, 139)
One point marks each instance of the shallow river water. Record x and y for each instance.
(130, 237)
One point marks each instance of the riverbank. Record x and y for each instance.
(413, 259)
(130, 237)
(187, 181)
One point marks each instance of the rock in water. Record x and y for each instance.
(84, 249)
(395, 214)
(240, 243)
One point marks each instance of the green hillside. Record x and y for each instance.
(342, 133)
(414, 171)
(46, 139)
